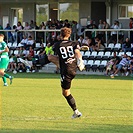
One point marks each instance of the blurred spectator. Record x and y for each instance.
(24, 40)
(53, 40)
(66, 24)
(114, 33)
(131, 67)
(26, 63)
(94, 33)
(20, 52)
(12, 63)
(111, 65)
(30, 54)
(21, 67)
(30, 42)
(43, 55)
(41, 34)
(117, 60)
(59, 25)
(81, 40)
(42, 26)
(89, 26)
(14, 34)
(27, 27)
(24, 53)
(132, 48)
(19, 33)
(48, 50)
(32, 24)
(121, 34)
(100, 26)
(131, 27)
(36, 26)
(9, 34)
(1, 28)
(87, 45)
(126, 46)
(74, 30)
(106, 26)
(123, 64)
(79, 30)
(99, 44)
(58, 38)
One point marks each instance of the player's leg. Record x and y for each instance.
(3, 78)
(8, 76)
(9, 67)
(3, 65)
(80, 62)
(70, 99)
(54, 59)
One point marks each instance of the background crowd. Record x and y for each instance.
(92, 41)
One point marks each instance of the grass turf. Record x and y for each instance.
(34, 104)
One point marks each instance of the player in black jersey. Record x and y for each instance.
(69, 58)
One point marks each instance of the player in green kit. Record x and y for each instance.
(4, 60)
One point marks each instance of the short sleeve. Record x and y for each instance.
(56, 47)
(75, 45)
(4, 45)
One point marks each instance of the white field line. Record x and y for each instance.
(36, 118)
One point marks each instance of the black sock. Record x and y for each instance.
(71, 102)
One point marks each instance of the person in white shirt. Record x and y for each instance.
(114, 33)
(81, 40)
(24, 40)
(30, 42)
(25, 52)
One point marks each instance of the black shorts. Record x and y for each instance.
(66, 80)
(44, 60)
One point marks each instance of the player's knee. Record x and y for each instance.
(1, 73)
(49, 57)
(65, 92)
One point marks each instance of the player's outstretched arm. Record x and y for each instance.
(80, 62)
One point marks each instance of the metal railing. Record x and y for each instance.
(33, 31)
(106, 32)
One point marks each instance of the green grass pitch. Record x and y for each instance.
(34, 104)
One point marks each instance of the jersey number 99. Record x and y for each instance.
(66, 52)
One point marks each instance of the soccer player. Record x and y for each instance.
(69, 58)
(4, 60)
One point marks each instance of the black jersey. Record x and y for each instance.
(66, 52)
